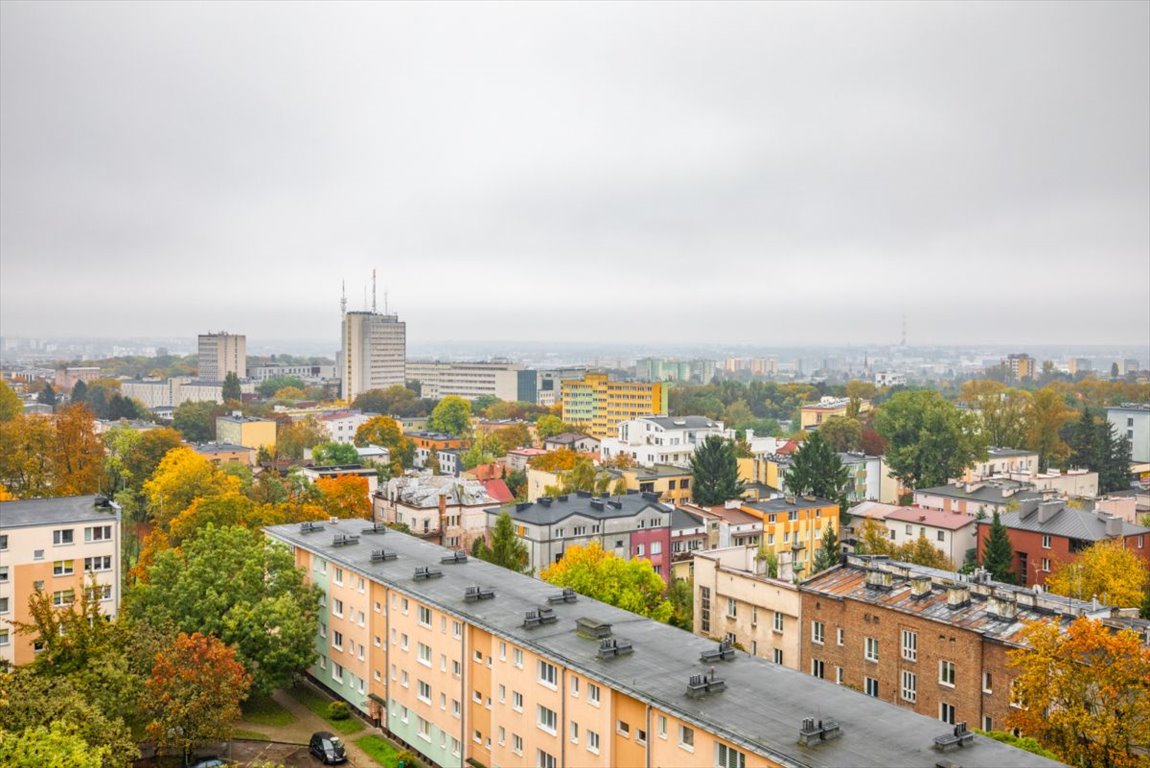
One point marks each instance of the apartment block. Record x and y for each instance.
(373, 353)
(57, 546)
(222, 353)
(470, 664)
(500, 378)
(248, 431)
(341, 425)
(661, 439)
(1132, 421)
(793, 528)
(598, 404)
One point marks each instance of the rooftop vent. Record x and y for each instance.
(814, 732)
(611, 647)
(377, 528)
(701, 685)
(592, 628)
(957, 596)
(310, 527)
(539, 616)
(562, 497)
(471, 594)
(724, 652)
(566, 596)
(425, 572)
(583, 494)
(455, 558)
(380, 555)
(1002, 607)
(650, 496)
(522, 506)
(959, 737)
(1113, 526)
(877, 579)
(597, 505)
(614, 504)
(103, 502)
(344, 539)
(544, 500)
(920, 586)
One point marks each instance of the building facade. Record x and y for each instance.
(793, 529)
(373, 353)
(222, 353)
(661, 439)
(248, 431)
(598, 404)
(811, 415)
(499, 378)
(1132, 421)
(56, 546)
(952, 534)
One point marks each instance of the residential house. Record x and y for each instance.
(670, 440)
(1132, 421)
(670, 483)
(342, 425)
(448, 510)
(974, 499)
(574, 441)
(812, 415)
(951, 533)
(248, 431)
(227, 453)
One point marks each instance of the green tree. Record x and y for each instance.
(506, 549)
(332, 454)
(928, 439)
(236, 585)
(842, 434)
(196, 420)
(79, 391)
(817, 470)
(1095, 444)
(47, 395)
(681, 595)
(631, 585)
(549, 426)
(385, 432)
(231, 388)
(1046, 416)
(1003, 411)
(10, 403)
(396, 400)
(829, 551)
(483, 402)
(269, 387)
(57, 745)
(715, 472)
(998, 554)
(452, 416)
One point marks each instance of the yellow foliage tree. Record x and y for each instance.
(182, 477)
(345, 496)
(78, 455)
(631, 585)
(1085, 693)
(5, 495)
(555, 461)
(1105, 570)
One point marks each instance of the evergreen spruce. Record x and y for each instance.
(828, 554)
(816, 470)
(505, 549)
(715, 472)
(998, 557)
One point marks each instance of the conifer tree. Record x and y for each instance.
(998, 557)
(715, 472)
(505, 549)
(817, 470)
(828, 554)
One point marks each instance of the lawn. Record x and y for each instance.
(240, 733)
(379, 749)
(317, 703)
(263, 710)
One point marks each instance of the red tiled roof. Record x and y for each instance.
(935, 518)
(498, 490)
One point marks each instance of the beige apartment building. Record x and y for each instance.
(248, 431)
(54, 545)
(222, 353)
(468, 663)
(373, 353)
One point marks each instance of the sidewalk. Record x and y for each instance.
(306, 723)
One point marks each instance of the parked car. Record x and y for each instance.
(327, 747)
(209, 762)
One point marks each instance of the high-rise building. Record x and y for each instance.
(374, 352)
(223, 353)
(598, 404)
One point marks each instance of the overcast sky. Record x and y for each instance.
(764, 173)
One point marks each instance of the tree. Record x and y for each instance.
(385, 432)
(841, 434)
(26, 458)
(872, 538)
(818, 471)
(57, 745)
(715, 472)
(1046, 416)
(194, 693)
(829, 551)
(79, 391)
(562, 460)
(452, 416)
(922, 552)
(231, 387)
(11, 405)
(1095, 444)
(549, 426)
(236, 585)
(1003, 410)
(270, 386)
(1085, 692)
(294, 438)
(929, 440)
(506, 549)
(345, 496)
(396, 400)
(334, 454)
(1105, 570)
(484, 450)
(513, 436)
(681, 595)
(182, 477)
(78, 455)
(631, 585)
(196, 420)
(998, 554)
(47, 395)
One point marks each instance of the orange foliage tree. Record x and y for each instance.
(78, 455)
(345, 496)
(56, 455)
(555, 461)
(1085, 693)
(194, 693)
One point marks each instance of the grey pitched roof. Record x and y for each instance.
(759, 711)
(989, 493)
(1066, 521)
(65, 509)
(782, 505)
(683, 422)
(681, 518)
(565, 438)
(542, 512)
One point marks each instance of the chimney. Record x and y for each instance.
(920, 586)
(1048, 509)
(957, 596)
(1027, 507)
(1002, 607)
(878, 579)
(1113, 525)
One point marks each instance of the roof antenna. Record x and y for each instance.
(385, 309)
(373, 291)
(343, 297)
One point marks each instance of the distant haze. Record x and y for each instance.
(764, 173)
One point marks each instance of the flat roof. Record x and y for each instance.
(760, 710)
(545, 512)
(935, 518)
(783, 505)
(27, 513)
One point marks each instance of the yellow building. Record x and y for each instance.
(673, 484)
(812, 415)
(468, 663)
(247, 431)
(598, 404)
(793, 527)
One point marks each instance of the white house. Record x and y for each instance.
(661, 439)
(951, 533)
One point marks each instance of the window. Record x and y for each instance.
(640, 736)
(455, 708)
(946, 673)
(909, 645)
(778, 622)
(517, 701)
(817, 668)
(517, 657)
(456, 668)
(986, 684)
(639, 550)
(337, 672)
(946, 712)
(502, 693)
(1046, 541)
(337, 607)
(1046, 564)
(726, 757)
(424, 692)
(574, 733)
(839, 633)
(4, 637)
(424, 654)
(456, 629)
(547, 673)
(403, 641)
(102, 563)
(547, 719)
(656, 548)
(455, 746)
(909, 686)
(503, 651)
(593, 693)
(871, 686)
(63, 567)
(817, 631)
(64, 597)
(403, 679)
(3, 542)
(517, 744)
(593, 742)
(424, 616)
(662, 721)
(705, 608)
(544, 760)
(477, 656)
(360, 586)
(423, 727)
(3, 605)
(338, 578)
(623, 728)
(687, 738)
(502, 735)
(987, 723)
(870, 649)
(732, 607)
(909, 530)
(838, 675)
(778, 655)
(63, 537)
(337, 640)
(575, 687)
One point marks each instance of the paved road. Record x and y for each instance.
(307, 723)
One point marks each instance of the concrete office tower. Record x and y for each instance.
(223, 353)
(373, 354)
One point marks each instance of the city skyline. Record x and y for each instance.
(748, 174)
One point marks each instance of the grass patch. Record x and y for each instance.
(240, 733)
(318, 704)
(263, 710)
(379, 749)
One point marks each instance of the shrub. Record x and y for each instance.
(338, 710)
(408, 759)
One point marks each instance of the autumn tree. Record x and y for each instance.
(1004, 411)
(631, 585)
(236, 585)
(385, 432)
(562, 460)
(26, 459)
(181, 477)
(294, 438)
(715, 472)
(998, 553)
(332, 453)
(484, 450)
(57, 745)
(1047, 415)
(236, 509)
(345, 496)
(872, 538)
(1106, 570)
(1085, 692)
(513, 436)
(505, 549)
(681, 595)
(452, 416)
(11, 405)
(817, 470)
(196, 420)
(842, 434)
(78, 455)
(550, 425)
(194, 693)
(396, 400)
(922, 552)
(928, 439)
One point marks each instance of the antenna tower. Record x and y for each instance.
(343, 297)
(373, 291)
